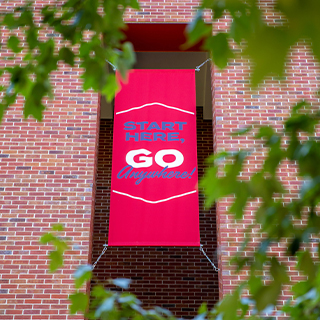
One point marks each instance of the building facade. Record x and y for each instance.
(58, 171)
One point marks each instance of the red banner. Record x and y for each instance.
(154, 197)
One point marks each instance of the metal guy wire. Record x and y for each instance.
(112, 65)
(102, 253)
(199, 66)
(201, 249)
(213, 265)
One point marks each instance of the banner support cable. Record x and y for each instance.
(105, 247)
(102, 253)
(199, 66)
(112, 65)
(213, 265)
(196, 69)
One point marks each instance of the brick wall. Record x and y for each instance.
(46, 177)
(176, 278)
(175, 11)
(237, 106)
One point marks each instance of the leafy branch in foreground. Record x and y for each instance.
(276, 218)
(105, 303)
(102, 303)
(86, 33)
(266, 46)
(59, 245)
(89, 32)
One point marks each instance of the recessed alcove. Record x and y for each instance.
(177, 278)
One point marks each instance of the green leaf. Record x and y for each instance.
(10, 97)
(263, 187)
(67, 56)
(201, 316)
(268, 48)
(20, 81)
(56, 261)
(2, 110)
(126, 60)
(306, 264)
(79, 302)
(239, 261)
(255, 284)
(218, 7)
(301, 288)
(240, 28)
(315, 45)
(98, 291)
(197, 29)
(106, 306)
(276, 154)
(245, 305)
(122, 283)
(301, 104)
(111, 87)
(58, 227)
(210, 186)
(94, 75)
(241, 131)
(278, 271)
(265, 132)
(10, 21)
(26, 18)
(32, 38)
(203, 308)
(85, 48)
(82, 274)
(78, 17)
(303, 20)
(61, 246)
(130, 298)
(13, 44)
(48, 14)
(267, 295)
(33, 104)
(228, 306)
(310, 190)
(294, 245)
(219, 49)
(134, 4)
(47, 237)
(214, 187)
(301, 120)
(30, 108)
(242, 195)
(47, 61)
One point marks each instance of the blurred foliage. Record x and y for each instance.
(266, 46)
(111, 301)
(275, 218)
(60, 246)
(87, 33)
(102, 303)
